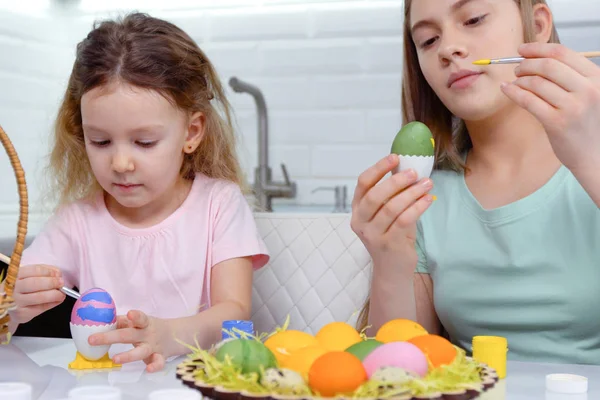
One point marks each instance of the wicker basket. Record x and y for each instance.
(6, 289)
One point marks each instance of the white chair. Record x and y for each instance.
(319, 272)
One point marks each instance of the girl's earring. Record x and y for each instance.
(189, 148)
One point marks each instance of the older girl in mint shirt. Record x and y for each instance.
(512, 246)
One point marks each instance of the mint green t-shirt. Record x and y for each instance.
(528, 271)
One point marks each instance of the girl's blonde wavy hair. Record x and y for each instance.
(153, 54)
(420, 103)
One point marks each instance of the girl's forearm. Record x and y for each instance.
(203, 328)
(589, 179)
(392, 296)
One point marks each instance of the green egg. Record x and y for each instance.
(414, 139)
(362, 349)
(248, 354)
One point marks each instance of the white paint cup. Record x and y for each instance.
(95, 393)
(15, 391)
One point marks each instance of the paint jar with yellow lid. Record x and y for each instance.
(491, 350)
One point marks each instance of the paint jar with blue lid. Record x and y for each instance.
(234, 329)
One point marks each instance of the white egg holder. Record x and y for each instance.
(80, 335)
(422, 165)
(186, 373)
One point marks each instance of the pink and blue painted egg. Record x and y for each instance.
(95, 307)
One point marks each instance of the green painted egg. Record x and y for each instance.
(362, 349)
(414, 139)
(248, 354)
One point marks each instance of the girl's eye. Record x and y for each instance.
(146, 144)
(476, 20)
(101, 143)
(429, 42)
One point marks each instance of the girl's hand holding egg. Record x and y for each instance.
(36, 291)
(384, 214)
(148, 335)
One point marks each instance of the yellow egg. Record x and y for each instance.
(337, 336)
(301, 360)
(284, 343)
(399, 330)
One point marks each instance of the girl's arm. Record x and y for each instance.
(156, 339)
(407, 297)
(231, 298)
(589, 178)
(561, 88)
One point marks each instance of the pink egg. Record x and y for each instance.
(397, 354)
(95, 307)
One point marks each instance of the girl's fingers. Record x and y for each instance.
(372, 175)
(378, 196)
(38, 284)
(156, 362)
(563, 54)
(125, 335)
(525, 99)
(138, 353)
(411, 215)
(37, 298)
(123, 322)
(398, 204)
(554, 71)
(546, 90)
(138, 319)
(31, 312)
(28, 271)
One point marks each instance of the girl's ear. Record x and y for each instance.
(195, 132)
(542, 23)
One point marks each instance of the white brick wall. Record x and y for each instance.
(330, 72)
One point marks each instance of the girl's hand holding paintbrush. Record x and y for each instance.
(561, 88)
(37, 289)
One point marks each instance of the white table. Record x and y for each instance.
(44, 363)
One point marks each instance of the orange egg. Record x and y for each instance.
(302, 359)
(336, 373)
(438, 350)
(337, 336)
(284, 343)
(399, 330)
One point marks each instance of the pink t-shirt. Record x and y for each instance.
(163, 270)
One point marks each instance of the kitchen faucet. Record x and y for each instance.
(341, 193)
(264, 188)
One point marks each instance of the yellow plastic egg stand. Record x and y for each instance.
(82, 363)
(7, 284)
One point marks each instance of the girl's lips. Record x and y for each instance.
(127, 186)
(462, 78)
(465, 82)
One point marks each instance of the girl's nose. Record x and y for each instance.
(452, 48)
(122, 162)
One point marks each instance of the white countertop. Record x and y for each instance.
(43, 363)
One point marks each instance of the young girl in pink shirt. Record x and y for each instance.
(151, 206)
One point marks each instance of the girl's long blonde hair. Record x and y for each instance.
(420, 103)
(149, 53)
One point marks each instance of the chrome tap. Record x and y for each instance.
(264, 188)
(341, 193)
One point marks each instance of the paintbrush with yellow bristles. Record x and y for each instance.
(516, 60)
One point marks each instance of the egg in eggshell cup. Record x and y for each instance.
(403, 362)
(415, 146)
(94, 312)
